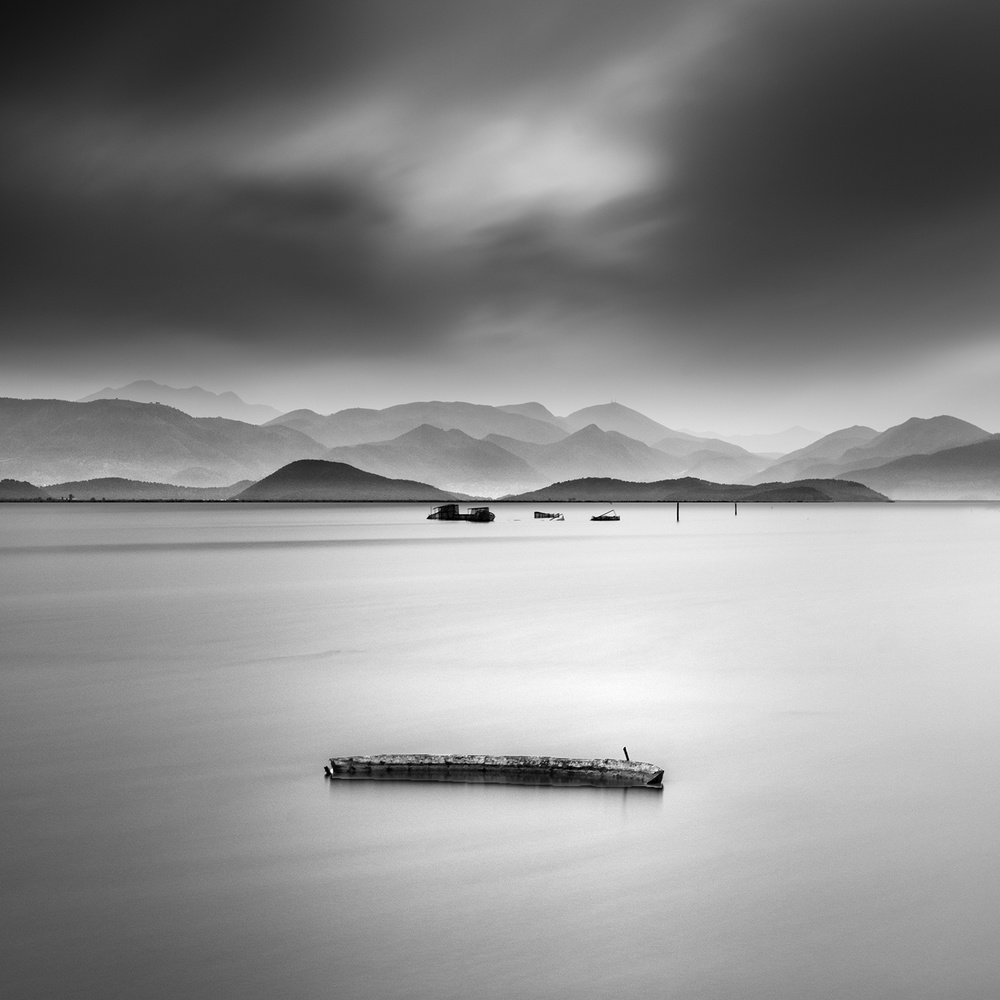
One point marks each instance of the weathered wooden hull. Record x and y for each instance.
(487, 769)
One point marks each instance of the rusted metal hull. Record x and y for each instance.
(487, 769)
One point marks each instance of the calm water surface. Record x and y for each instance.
(820, 683)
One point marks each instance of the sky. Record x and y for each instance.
(736, 215)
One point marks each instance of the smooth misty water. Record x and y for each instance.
(820, 682)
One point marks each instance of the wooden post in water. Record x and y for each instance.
(678, 511)
(625, 751)
(735, 510)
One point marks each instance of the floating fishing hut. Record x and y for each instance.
(450, 512)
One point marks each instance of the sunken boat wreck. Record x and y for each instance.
(486, 769)
(450, 512)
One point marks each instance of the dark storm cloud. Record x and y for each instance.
(184, 55)
(367, 176)
(197, 55)
(127, 201)
(828, 183)
(844, 152)
(308, 259)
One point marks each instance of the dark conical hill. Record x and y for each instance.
(17, 489)
(316, 479)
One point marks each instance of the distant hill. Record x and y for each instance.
(855, 449)
(703, 457)
(306, 422)
(780, 442)
(693, 490)
(679, 444)
(712, 458)
(538, 412)
(615, 417)
(592, 452)
(53, 440)
(723, 468)
(817, 455)
(16, 489)
(115, 488)
(312, 479)
(361, 426)
(451, 459)
(194, 401)
(970, 472)
(916, 436)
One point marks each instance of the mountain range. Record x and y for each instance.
(461, 449)
(47, 441)
(194, 400)
(968, 472)
(860, 453)
(451, 458)
(592, 451)
(362, 426)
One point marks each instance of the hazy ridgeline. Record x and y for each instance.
(114, 449)
(819, 682)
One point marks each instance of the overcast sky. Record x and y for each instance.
(735, 215)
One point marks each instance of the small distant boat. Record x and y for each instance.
(450, 512)
(550, 517)
(486, 769)
(608, 516)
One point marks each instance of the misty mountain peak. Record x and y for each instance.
(429, 434)
(616, 417)
(921, 435)
(590, 431)
(943, 420)
(536, 412)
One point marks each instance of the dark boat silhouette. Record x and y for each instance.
(607, 516)
(450, 512)
(550, 517)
